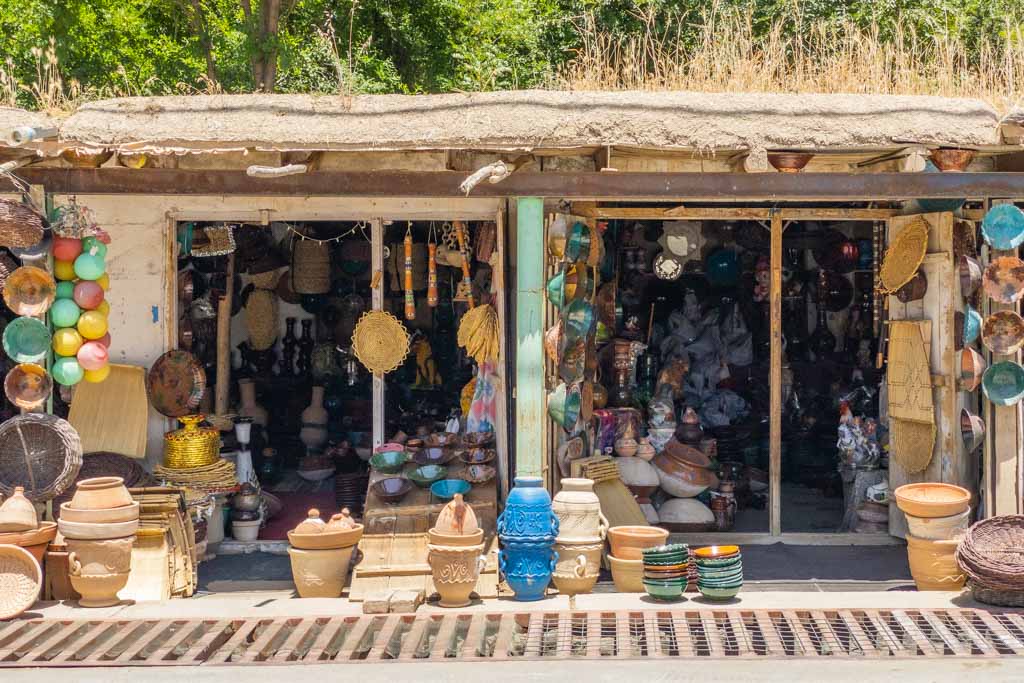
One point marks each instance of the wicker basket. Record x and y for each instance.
(191, 446)
(992, 553)
(39, 452)
(20, 226)
(993, 596)
(311, 267)
(261, 319)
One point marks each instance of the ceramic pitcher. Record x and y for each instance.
(579, 512)
(527, 515)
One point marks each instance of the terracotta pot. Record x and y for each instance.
(686, 515)
(101, 493)
(97, 590)
(248, 407)
(99, 569)
(579, 512)
(628, 575)
(789, 162)
(320, 573)
(939, 528)
(107, 516)
(577, 567)
(626, 447)
(455, 570)
(951, 160)
(932, 499)
(436, 537)
(628, 542)
(88, 531)
(933, 564)
(18, 513)
(248, 530)
(457, 518)
(681, 479)
(35, 541)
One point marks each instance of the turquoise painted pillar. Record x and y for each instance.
(529, 387)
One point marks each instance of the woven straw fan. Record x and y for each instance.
(903, 256)
(112, 416)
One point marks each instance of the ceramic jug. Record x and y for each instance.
(527, 568)
(314, 422)
(248, 407)
(527, 515)
(579, 512)
(18, 513)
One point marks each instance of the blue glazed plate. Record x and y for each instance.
(1003, 383)
(1003, 226)
(447, 488)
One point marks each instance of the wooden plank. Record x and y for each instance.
(327, 634)
(203, 645)
(474, 637)
(739, 631)
(384, 636)
(505, 368)
(143, 642)
(223, 388)
(377, 304)
(503, 642)
(444, 637)
(530, 419)
(287, 648)
(591, 210)
(258, 651)
(413, 637)
(775, 380)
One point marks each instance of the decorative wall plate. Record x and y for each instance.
(1004, 279)
(176, 384)
(904, 255)
(380, 342)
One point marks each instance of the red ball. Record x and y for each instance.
(93, 355)
(66, 248)
(88, 294)
(104, 340)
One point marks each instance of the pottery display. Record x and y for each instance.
(690, 431)
(577, 566)
(1003, 227)
(527, 514)
(626, 446)
(315, 534)
(628, 542)
(34, 541)
(628, 575)
(527, 568)
(719, 571)
(939, 528)
(320, 573)
(248, 407)
(389, 462)
(640, 477)
(1003, 383)
(681, 479)
(578, 510)
(97, 531)
(970, 273)
(101, 493)
(644, 450)
(454, 553)
(933, 564)
(17, 513)
(447, 489)
(99, 569)
(391, 489)
(425, 475)
(314, 421)
(972, 369)
(1003, 332)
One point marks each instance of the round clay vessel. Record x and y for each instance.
(320, 573)
(327, 540)
(527, 568)
(109, 556)
(101, 493)
(457, 518)
(98, 590)
(685, 515)
(92, 531)
(18, 513)
(645, 451)
(527, 515)
(441, 538)
(455, 570)
(628, 542)
(626, 447)
(628, 575)
(681, 479)
(313, 524)
(933, 564)
(246, 530)
(577, 567)
(35, 541)
(579, 512)
(107, 516)
(939, 528)
(932, 499)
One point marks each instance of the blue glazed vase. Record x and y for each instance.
(527, 515)
(527, 568)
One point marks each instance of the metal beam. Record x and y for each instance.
(654, 186)
(529, 387)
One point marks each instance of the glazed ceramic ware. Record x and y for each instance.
(719, 571)
(640, 478)
(626, 446)
(320, 573)
(425, 475)
(527, 568)
(99, 569)
(564, 403)
(527, 528)
(1003, 383)
(972, 429)
(478, 474)
(1003, 227)
(627, 575)
(101, 493)
(932, 499)
(17, 513)
(933, 564)
(313, 433)
(477, 456)
(1003, 332)
(668, 590)
(970, 272)
(578, 509)
(972, 325)
(391, 489)
(1004, 279)
(628, 542)
(972, 369)
(681, 479)
(939, 528)
(686, 515)
(446, 489)
(388, 462)
(433, 456)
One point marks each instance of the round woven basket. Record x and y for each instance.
(191, 446)
(311, 267)
(991, 553)
(380, 342)
(903, 256)
(21, 578)
(39, 452)
(261, 319)
(20, 226)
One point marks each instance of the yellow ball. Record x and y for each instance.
(104, 281)
(66, 341)
(92, 324)
(96, 376)
(64, 270)
(104, 308)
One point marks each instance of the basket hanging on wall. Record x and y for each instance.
(311, 267)
(39, 452)
(261, 319)
(903, 256)
(20, 226)
(380, 342)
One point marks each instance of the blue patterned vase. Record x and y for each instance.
(527, 568)
(527, 516)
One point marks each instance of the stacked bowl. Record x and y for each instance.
(937, 518)
(719, 571)
(665, 571)
(99, 525)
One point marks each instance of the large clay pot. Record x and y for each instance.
(99, 569)
(527, 515)
(681, 479)
(455, 570)
(314, 421)
(577, 567)
(101, 493)
(35, 541)
(320, 573)
(527, 568)
(933, 564)
(248, 407)
(579, 512)
(628, 575)
(628, 542)
(640, 478)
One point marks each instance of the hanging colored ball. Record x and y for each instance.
(105, 340)
(104, 281)
(64, 270)
(67, 371)
(104, 308)
(88, 294)
(92, 325)
(92, 245)
(65, 289)
(66, 248)
(66, 341)
(89, 266)
(65, 313)
(92, 355)
(96, 376)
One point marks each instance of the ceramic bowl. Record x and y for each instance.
(713, 593)
(972, 325)
(391, 489)
(664, 591)
(124, 513)
(972, 429)
(627, 575)
(717, 562)
(445, 489)
(389, 462)
(477, 439)
(1003, 383)
(932, 499)
(577, 242)
(91, 531)
(26, 340)
(100, 493)
(677, 552)
(729, 574)
(714, 552)
(425, 475)
(1004, 279)
(579, 320)
(1003, 332)
(627, 542)
(478, 474)
(564, 403)
(478, 456)
(677, 567)
(664, 576)
(972, 368)
(970, 272)
(433, 456)
(441, 440)
(1003, 227)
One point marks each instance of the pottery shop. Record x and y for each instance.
(303, 325)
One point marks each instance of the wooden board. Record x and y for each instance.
(113, 415)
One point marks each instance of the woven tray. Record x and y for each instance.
(39, 452)
(993, 596)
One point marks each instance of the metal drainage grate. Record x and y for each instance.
(517, 636)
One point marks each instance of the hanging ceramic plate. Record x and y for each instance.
(972, 367)
(667, 267)
(972, 325)
(176, 383)
(1003, 332)
(27, 386)
(1003, 226)
(1003, 383)
(970, 275)
(577, 245)
(1004, 279)
(30, 291)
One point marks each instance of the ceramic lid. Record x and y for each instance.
(457, 518)
(18, 513)
(341, 521)
(312, 524)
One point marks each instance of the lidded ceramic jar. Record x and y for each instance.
(321, 552)
(527, 528)
(579, 512)
(455, 553)
(18, 513)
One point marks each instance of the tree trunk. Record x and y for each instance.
(199, 24)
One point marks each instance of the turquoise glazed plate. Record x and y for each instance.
(1003, 226)
(1003, 383)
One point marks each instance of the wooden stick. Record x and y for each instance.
(650, 325)
(775, 379)
(223, 389)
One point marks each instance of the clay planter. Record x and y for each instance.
(577, 567)
(933, 564)
(320, 573)
(99, 569)
(579, 512)
(105, 516)
(86, 531)
(456, 570)
(35, 541)
(628, 575)
(628, 542)
(101, 493)
(436, 537)
(327, 540)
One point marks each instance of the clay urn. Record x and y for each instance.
(101, 493)
(312, 524)
(644, 450)
(578, 566)
(321, 553)
(578, 509)
(98, 569)
(455, 553)
(18, 513)
(626, 446)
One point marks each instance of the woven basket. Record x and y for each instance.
(311, 267)
(191, 446)
(213, 241)
(903, 256)
(39, 452)
(912, 444)
(261, 319)
(993, 596)
(20, 226)
(992, 553)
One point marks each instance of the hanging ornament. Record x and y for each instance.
(66, 248)
(64, 270)
(410, 304)
(432, 268)
(67, 371)
(88, 294)
(92, 325)
(96, 376)
(89, 265)
(465, 290)
(92, 355)
(65, 289)
(66, 341)
(65, 313)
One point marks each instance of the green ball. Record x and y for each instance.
(89, 266)
(67, 371)
(64, 313)
(92, 245)
(65, 289)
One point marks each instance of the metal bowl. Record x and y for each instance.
(1003, 332)
(1004, 279)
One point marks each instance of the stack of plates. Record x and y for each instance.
(719, 571)
(350, 491)
(665, 571)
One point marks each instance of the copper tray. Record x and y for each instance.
(176, 383)
(1004, 279)
(1003, 332)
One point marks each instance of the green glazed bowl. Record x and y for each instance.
(26, 340)
(564, 403)
(659, 590)
(719, 593)
(718, 562)
(724, 578)
(721, 583)
(389, 462)
(720, 571)
(1003, 383)
(425, 475)
(671, 550)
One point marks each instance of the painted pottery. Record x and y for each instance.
(939, 528)
(18, 513)
(391, 489)
(447, 489)
(457, 517)
(527, 514)
(441, 538)
(1003, 227)
(455, 570)
(577, 567)
(1002, 332)
(932, 499)
(527, 568)
(389, 462)
(425, 475)
(1003, 383)
(1004, 279)
(644, 450)
(101, 493)
(933, 564)
(690, 431)
(628, 542)
(35, 541)
(789, 162)
(972, 369)
(564, 403)
(578, 509)
(248, 407)
(950, 160)
(320, 573)
(971, 325)
(627, 574)
(971, 276)
(314, 421)
(99, 569)
(972, 429)
(681, 479)
(913, 290)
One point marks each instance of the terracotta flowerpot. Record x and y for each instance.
(628, 575)
(933, 564)
(579, 512)
(35, 541)
(101, 493)
(456, 570)
(99, 569)
(98, 590)
(628, 542)
(102, 516)
(578, 566)
(320, 573)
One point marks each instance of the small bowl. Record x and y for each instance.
(478, 456)
(445, 489)
(389, 462)
(678, 567)
(391, 489)
(478, 474)
(316, 475)
(718, 562)
(425, 475)
(433, 456)
(477, 439)
(664, 591)
(441, 440)
(664, 576)
(715, 552)
(714, 593)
